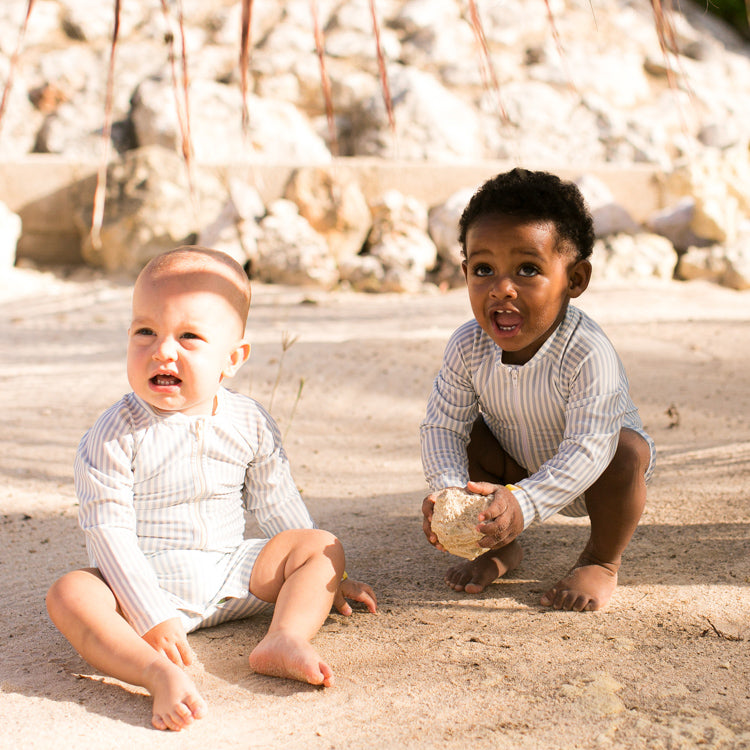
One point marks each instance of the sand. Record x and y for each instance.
(667, 665)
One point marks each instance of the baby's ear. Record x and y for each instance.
(579, 275)
(237, 357)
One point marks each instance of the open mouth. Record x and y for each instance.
(164, 381)
(507, 321)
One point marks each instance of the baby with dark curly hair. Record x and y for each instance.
(531, 405)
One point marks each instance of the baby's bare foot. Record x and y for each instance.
(474, 575)
(587, 587)
(177, 702)
(282, 655)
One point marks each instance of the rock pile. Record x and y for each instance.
(602, 96)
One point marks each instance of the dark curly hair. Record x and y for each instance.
(532, 197)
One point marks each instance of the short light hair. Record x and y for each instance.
(224, 274)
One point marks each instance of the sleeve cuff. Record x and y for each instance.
(527, 507)
(144, 622)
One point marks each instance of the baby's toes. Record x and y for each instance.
(158, 722)
(457, 577)
(166, 721)
(197, 707)
(184, 716)
(574, 601)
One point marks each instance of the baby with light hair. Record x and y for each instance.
(164, 478)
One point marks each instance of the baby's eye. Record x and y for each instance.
(143, 332)
(189, 335)
(527, 269)
(482, 269)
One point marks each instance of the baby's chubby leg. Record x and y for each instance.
(85, 610)
(614, 503)
(299, 570)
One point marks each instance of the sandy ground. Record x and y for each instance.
(667, 665)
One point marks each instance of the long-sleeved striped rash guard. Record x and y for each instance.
(559, 415)
(162, 500)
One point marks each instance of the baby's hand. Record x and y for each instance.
(169, 638)
(502, 521)
(428, 508)
(356, 590)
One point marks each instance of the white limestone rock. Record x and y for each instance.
(10, 233)
(455, 518)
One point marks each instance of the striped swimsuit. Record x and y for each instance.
(162, 501)
(559, 415)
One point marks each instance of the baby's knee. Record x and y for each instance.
(312, 542)
(73, 589)
(62, 593)
(55, 596)
(329, 545)
(321, 538)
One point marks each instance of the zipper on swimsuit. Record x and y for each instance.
(526, 445)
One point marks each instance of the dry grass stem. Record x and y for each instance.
(294, 407)
(287, 341)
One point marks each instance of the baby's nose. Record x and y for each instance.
(165, 350)
(504, 287)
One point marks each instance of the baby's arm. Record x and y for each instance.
(270, 493)
(104, 484)
(452, 408)
(593, 418)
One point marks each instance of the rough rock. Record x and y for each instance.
(10, 233)
(621, 257)
(21, 120)
(399, 240)
(454, 520)
(719, 184)
(727, 266)
(363, 273)
(334, 206)
(674, 223)
(598, 91)
(609, 216)
(432, 123)
(236, 229)
(442, 224)
(290, 251)
(91, 20)
(277, 131)
(149, 209)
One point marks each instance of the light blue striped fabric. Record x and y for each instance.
(162, 499)
(559, 415)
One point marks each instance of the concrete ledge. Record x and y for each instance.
(46, 190)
